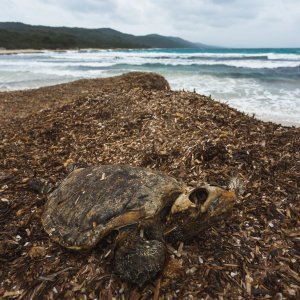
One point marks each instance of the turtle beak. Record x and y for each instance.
(212, 200)
(182, 203)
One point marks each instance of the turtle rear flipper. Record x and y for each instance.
(138, 260)
(70, 167)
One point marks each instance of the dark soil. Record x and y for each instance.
(135, 119)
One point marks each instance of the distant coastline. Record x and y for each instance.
(14, 35)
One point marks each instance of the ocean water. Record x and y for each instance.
(264, 82)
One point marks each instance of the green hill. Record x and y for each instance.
(22, 36)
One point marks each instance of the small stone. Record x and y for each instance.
(233, 274)
(191, 270)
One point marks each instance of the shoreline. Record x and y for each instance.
(283, 123)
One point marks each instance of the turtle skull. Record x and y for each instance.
(212, 201)
(193, 212)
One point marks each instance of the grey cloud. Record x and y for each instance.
(87, 6)
(214, 12)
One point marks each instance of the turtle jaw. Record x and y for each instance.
(220, 205)
(182, 203)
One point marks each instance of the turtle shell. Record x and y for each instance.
(93, 201)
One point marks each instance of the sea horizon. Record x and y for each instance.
(260, 81)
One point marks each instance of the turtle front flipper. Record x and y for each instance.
(40, 186)
(137, 259)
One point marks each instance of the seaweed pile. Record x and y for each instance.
(136, 119)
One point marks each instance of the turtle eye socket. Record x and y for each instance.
(198, 196)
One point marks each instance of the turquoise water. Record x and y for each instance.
(264, 82)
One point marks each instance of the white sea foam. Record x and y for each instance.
(169, 58)
(247, 95)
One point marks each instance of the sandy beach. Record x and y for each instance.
(31, 51)
(137, 119)
(19, 51)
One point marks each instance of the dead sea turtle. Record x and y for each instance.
(142, 205)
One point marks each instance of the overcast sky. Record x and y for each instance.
(231, 23)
